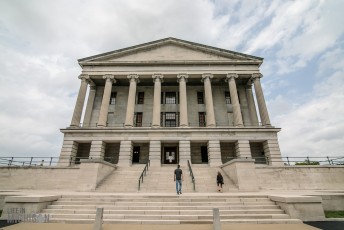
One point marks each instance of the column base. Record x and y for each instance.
(128, 126)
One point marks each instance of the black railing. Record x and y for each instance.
(45, 161)
(192, 176)
(144, 172)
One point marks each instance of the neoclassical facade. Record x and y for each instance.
(169, 101)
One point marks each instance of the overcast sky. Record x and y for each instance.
(301, 43)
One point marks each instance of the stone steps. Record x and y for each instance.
(134, 208)
(123, 179)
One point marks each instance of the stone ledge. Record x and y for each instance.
(31, 198)
(243, 160)
(296, 199)
(97, 161)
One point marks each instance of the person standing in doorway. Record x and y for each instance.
(219, 181)
(178, 177)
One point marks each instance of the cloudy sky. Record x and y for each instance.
(301, 43)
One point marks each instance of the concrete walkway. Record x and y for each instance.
(31, 226)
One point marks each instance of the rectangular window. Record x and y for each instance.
(113, 98)
(228, 98)
(170, 98)
(201, 119)
(162, 98)
(140, 97)
(170, 120)
(200, 99)
(138, 120)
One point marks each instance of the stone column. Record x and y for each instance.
(125, 153)
(157, 79)
(80, 101)
(184, 153)
(251, 105)
(129, 118)
(263, 111)
(89, 107)
(242, 149)
(234, 99)
(155, 153)
(209, 106)
(106, 100)
(97, 150)
(182, 78)
(214, 153)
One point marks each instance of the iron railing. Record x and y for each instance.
(192, 176)
(45, 161)
(144, 172)
(264, 160)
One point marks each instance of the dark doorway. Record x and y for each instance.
(204, 154)
(170, 155)
(136, 154)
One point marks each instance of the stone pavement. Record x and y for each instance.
(30, 226)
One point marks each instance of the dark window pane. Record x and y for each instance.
(200, 99)
(170, 120)
(138, 121)
(201, 118)
(170, 98)
(140, 98)
(113, 98)
(228, 98)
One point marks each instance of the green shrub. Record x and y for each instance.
(334, 214)
(306, 162)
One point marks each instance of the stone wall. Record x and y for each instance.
(83, 177)
(301, 177)
(38, 178)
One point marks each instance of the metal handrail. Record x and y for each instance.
(192, 176)
(144, 172)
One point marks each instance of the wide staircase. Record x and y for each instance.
(195, 208)
(205, 177)
(122, 179)
(161, 179)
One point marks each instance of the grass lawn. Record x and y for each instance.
(334, 214)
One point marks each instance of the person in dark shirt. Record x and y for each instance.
(178, 177)
(219, 181)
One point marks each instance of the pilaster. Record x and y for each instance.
(184, 152)
(242, 149)
(97, 150)
(125, 153)
(155, 153)
(214, 153)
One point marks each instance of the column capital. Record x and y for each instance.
(255, 76)
(231, 76)
(133, 77)
(157, 76)
(182, 77)
(84, 77)
(109, 77)
(207, 76)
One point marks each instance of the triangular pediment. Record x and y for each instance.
(170, 50)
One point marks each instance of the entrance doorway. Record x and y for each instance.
(204, 154)
(170, 155)
(136, 154)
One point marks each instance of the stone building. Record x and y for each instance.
(169, 101)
